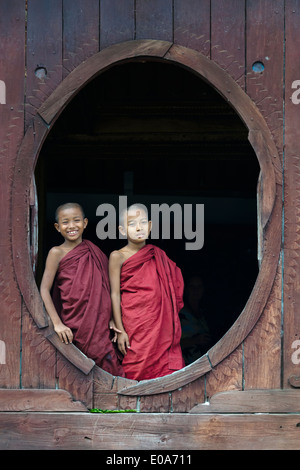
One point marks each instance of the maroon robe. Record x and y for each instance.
(81, 295)
(151, 297)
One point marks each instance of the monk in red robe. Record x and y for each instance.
(146, 291)
(80, 306)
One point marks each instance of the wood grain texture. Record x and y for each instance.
(12, 26)
(140, 431)
(117, 22)
(80, 38)
(265, 43)
(33, 400)
(291, 197)
(228, 37)
(170, 382)
(192, 25)
(38, 362)
(252, 401)
(262, 347)
(154, 19)
(185, 398)
(44, 50)
(227, 375)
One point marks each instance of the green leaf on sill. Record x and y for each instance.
(98, 410)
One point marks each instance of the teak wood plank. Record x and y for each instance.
(12, 60)
(185, 398)
(33, 400)
(38, 361)
(43, 50)
(291, 322)
(228, 37)
(252, 401)
(140, 431)
(170, 382)
(267, 186)
(80, 32)
(262, 347)
(154, 19)
(265, 44)
(71, 352)
(77, 382)
(117, 22)
(192, 24)
(227, 375)
(12, 66)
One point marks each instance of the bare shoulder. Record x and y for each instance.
(52, 262)
(56, 253)
(116, 258)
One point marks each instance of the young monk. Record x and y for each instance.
(80, 304)
(146, 293)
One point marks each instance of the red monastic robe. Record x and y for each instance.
(81, 295)
(151, 297)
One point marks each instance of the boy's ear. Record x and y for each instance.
(150, 225)
(85, 222)
(56, 226)
(122, 230)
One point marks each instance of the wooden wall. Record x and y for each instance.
(57, 36)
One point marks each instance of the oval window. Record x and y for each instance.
(166, 135)
(161, 136)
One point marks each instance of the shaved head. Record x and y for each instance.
(137, 208)
(68, 205)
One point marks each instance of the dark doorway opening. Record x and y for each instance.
(158, 133)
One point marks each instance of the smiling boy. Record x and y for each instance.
(79, 305)
(146, 293)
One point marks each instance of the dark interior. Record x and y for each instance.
(158, 133)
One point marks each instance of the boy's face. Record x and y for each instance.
(138, 226)
(71, 223)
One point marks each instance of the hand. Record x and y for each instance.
(65, 334)
(113, 327)
(123, 342)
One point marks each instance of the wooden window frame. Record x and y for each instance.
(269, 199)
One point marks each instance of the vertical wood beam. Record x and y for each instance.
(12, 68)
(291, 318)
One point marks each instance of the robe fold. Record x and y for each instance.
(151, 297)
(81, 295)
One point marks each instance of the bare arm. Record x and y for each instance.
(51, 267)
(114, 268)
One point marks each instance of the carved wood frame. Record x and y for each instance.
(269, 199)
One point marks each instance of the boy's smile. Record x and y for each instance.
(71, 224)
(72, 232)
